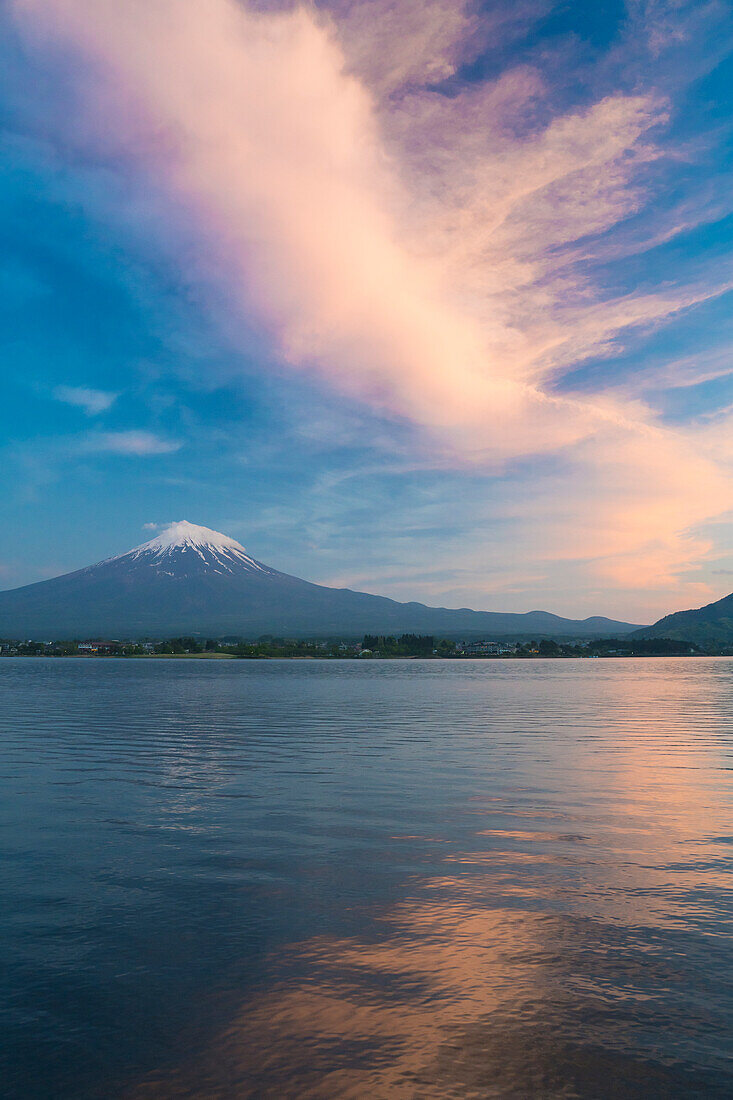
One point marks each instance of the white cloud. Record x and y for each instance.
(421, 252)
(127, 443)
(91, 401)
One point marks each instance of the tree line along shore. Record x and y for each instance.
(371, 647)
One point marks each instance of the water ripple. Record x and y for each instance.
(385, 879)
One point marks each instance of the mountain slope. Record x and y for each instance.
(191, 580)
(709, 625)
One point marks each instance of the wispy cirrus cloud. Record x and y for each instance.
(424, 244)
(304, 220)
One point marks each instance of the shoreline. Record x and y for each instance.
(360, 660)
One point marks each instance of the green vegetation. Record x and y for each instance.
(609, 647)
(283, 647)
(710, 627)
(407, 645)
(372, 647)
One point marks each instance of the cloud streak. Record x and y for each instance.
(423, 252)
(91, 401)
(132, 443)
(306, 222)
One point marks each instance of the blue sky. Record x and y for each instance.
(431, 300)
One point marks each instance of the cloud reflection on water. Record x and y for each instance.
(555, 959)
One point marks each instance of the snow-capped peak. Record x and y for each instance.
(183, 540)
(182, 533)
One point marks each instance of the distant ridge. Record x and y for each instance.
(708, 625)
(190, 580)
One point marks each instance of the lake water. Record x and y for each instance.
(386, 880)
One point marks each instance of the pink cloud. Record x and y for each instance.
(301, 213)
(418, 252)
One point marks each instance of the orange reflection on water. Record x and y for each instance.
(538, 965)
(459, 997)
(374, 1019)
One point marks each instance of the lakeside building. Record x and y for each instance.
(486, 648)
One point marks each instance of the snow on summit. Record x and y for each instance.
(183, 533)
(182, 538)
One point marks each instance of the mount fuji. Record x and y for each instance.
(190, 580)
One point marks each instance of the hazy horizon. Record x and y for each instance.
(183, 535)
